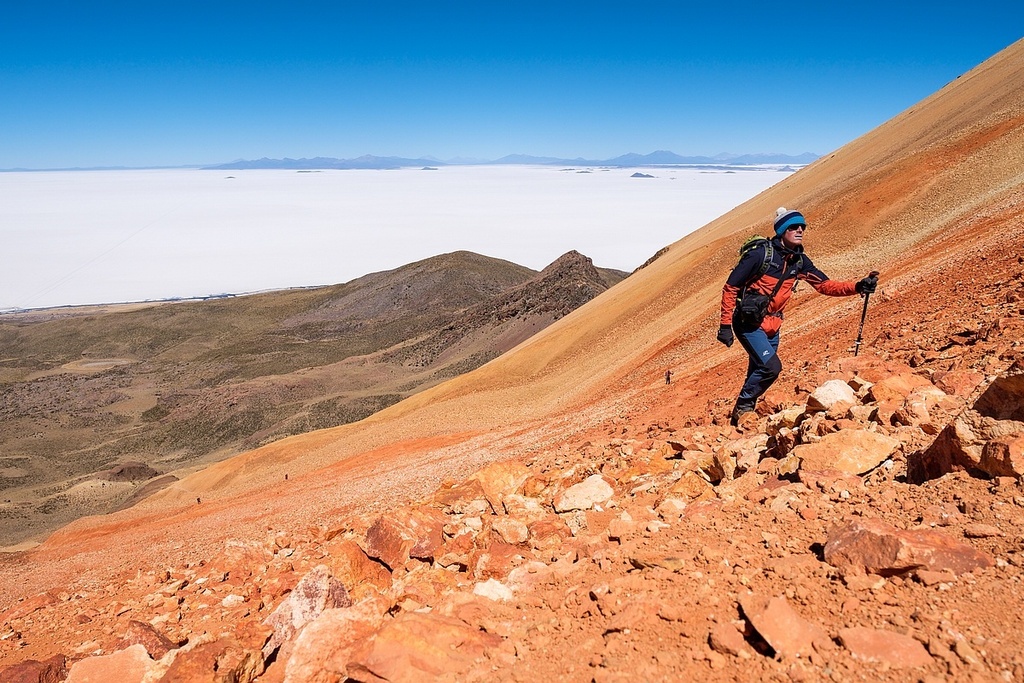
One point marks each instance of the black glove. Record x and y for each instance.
(725, 335)
(868, 284)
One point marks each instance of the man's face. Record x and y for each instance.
(794, 236)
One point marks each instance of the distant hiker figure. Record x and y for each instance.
(755, 295)
(668, 377)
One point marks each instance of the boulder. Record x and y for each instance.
(322, 651)
(524, 508)
(896, 388)
(744, 453)
(26, 607)
(875, 547)
(784, 419)
(511, 530)
(550, 533)
(959, 382)
(228, 658)
(418, 647)
(789, 634)
(353, 567)
(854, 451)
(873, 645)
(830, 394)
(1003, 457)
(139, 633)
(463, 498)
(125, 666)
(492, 589)
(52, 670)
(584, 495)
(1003, 399)
(501, 479)
(318, 590)
(404, 533)
(692, 487)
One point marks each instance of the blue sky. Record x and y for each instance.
(161, 83)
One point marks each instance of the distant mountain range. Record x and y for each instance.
(658, 158)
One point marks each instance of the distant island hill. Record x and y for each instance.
(659, 158)
(369, 161)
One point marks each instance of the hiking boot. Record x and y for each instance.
(739, 411)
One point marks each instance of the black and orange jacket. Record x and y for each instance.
(792, 264)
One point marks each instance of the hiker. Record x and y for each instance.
(668, 377)
(756, 293)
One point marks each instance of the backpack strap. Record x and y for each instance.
(769, 254)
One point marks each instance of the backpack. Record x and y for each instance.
(769, 252)
(751, 307)
(766, 261)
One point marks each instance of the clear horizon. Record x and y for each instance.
(116, 84)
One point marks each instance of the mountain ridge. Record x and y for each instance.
(179, 385)
(661, 157)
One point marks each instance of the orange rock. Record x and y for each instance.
(355, 569)
(854, 451)
(317, 591)
(511, 530)
(549, 533)
(465, 497)
(872, 546)
(402, 534)
(497, 561)
(501, 479)
(692, 487)
(831, 481)
(1004, 457)
(53, 670)
(726, 639)
(237, 659)
(896, 388)
(425, 584)
(126, 666)
(418, 647)
(958, 382)
(873, 645)
(322, 651)
(27, 607)
(789, 634)
(139, 633)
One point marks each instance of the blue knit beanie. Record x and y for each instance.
(785, 218)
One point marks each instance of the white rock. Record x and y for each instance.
(584, 495)
(232, 600)
(493, 589)
(829, 394)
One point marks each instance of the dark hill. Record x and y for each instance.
(180, 385)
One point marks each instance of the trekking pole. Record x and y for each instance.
(863, 315)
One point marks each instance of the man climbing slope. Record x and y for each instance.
(755, 295)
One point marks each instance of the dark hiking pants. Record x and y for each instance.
(763, 367)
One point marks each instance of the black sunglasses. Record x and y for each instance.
(798, 226)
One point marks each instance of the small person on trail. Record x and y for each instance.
(668, 377)
(755, 295)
